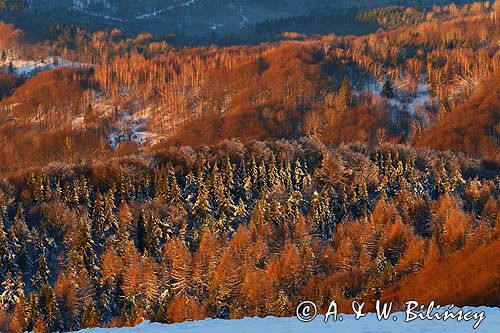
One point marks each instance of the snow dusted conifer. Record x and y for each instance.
(314, 214)
(191, 185)
(6, 257)
(202, 206)
(240, 213)
(262, 180)
(227, 173)
(272, 172)
(42, 275)
(254, 171)
(8, 296)
(298, 175)
(153, 235)
(174, 191)
(40, 325)
(248, 189)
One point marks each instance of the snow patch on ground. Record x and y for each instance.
(132, 126)
(410, 103)
(28, 68)
(291, 325)
(421, 99)
(158, 12)
(78, 122)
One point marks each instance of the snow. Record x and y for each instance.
(78, 122)
(132, 126)
(408, 103)
(367, 324)
(421, 100)
(106, 17)
(27, 68)
(83, 7)
(158, 12)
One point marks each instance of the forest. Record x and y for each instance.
(144, 180)
(242, 230)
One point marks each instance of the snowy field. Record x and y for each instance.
(291, 325)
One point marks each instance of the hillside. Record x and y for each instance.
(174, 161)
(407, 85)
(479, 276)
(193, 20)
(472, 126)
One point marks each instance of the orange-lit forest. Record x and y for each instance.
(288, 89)
(142, 180)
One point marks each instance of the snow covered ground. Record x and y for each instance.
(27, 68)
(408, 103)
(366, 324)
(132, 126)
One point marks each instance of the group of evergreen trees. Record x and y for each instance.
(229, 231)
(13, 5)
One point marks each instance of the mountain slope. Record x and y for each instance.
(195, 18)
(473, 126)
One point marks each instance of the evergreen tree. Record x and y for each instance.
(90, 317)
(240, 213)
(174, 191)
(40, 325)
(201, 207)
(49, 308)
(86, 248)
(141, 232)
(6, 256)
(153, 236)
(124, 225)
(344, 98)
(8, 296)
(298, 175)
(387, 90)
(42, 275)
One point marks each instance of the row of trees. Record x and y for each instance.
(230, 231)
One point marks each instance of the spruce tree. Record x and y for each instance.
(42, 274)
(344, 98)
(153, 236)
(6, 256)
(387, 90)
(8, 296)
(202, 206)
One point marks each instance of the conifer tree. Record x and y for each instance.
(49, 308)
(90, 317)
(174, 191)
(40, 325)
(227, 173)
(153, 236)
(8, 296)
(248, 187)
(6, 256)
(124, 225)
(344, 98)
(202, 206)
(298, 175)
(42, 275)
(141, 232)
(240, 212)
(387, 90)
